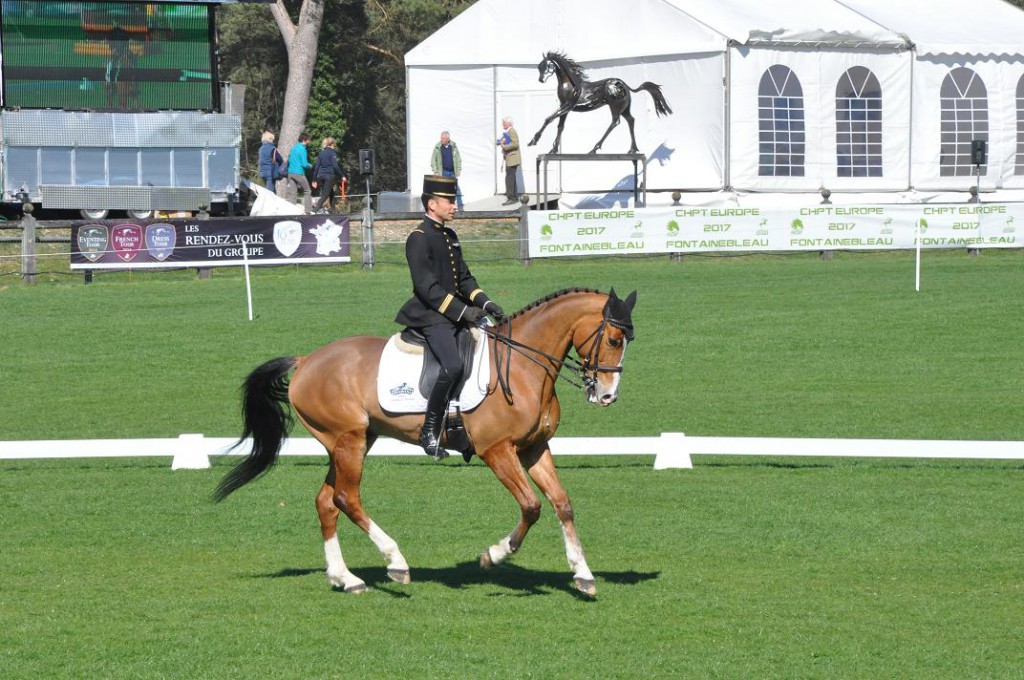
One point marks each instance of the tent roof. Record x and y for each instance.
(492, 32)
(987, 28)
(790, 22)
(590, 31)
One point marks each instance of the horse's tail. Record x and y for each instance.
(661, 106)
(266, 418)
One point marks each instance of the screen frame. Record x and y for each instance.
(211, 43)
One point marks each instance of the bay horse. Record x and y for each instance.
(333, 393)
(576, 93)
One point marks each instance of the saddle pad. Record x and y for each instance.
(399, 374)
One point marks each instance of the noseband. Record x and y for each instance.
(591, 366)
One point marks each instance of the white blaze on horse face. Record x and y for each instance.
(610, 392)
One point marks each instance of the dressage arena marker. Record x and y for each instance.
(670, 449)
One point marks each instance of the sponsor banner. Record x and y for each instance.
(128, 244)
(689, 229)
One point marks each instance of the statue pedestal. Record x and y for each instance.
(639, 161)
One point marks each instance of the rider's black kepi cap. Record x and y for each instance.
(436, 185)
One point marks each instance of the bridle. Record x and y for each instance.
(549, 69)
(583, 374)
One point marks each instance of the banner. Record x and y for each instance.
(690, 229)
(148, 244)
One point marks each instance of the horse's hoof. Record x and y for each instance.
(586, 586)
(356, 588)
(400, 576)
(485, 560)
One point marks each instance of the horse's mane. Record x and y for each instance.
(570, 64)
(552, 296)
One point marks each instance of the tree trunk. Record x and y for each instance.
(301, 41)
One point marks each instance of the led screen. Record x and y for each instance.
(107, 56)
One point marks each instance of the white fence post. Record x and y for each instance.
(190, 453)
(673, 451)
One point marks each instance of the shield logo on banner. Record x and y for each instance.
(127, 241)
(92, 241)
(287, 237)
(160, 240)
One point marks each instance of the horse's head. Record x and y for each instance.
(602, 347)
(546, 67)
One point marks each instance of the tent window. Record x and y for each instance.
(964, 117)
(858, 124)
(1019, 168)
(780, 115)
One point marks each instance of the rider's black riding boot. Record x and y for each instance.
(437, 404)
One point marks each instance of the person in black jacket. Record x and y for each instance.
(445, 298)
(326, 173)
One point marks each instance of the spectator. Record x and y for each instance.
(326, 173)
(298, 163)
(447, 162)
(509, 143)
(271, 163)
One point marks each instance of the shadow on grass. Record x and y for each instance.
(520, 581)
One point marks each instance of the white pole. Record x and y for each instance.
(917, 259)
(248, 283)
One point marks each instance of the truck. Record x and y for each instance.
(115, 107)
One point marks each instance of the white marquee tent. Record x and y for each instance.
(858, 96)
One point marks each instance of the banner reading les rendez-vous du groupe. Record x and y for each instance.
(689, 229)
(127, 244)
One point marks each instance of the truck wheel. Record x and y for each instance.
(94, 214)
(140, 214)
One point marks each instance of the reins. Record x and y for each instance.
(587, 368)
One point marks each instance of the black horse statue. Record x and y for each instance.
(576, 93)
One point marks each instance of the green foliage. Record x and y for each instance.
(326, 118)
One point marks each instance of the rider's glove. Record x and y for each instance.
(473, 314)
(497, 312)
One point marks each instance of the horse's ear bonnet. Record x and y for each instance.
(620, 312)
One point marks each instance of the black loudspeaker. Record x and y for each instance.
(979, 151)
(367, 162)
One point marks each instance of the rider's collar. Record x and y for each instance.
(439, 225)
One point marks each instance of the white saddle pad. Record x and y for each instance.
(399, 375)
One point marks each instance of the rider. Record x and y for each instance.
(445, 298)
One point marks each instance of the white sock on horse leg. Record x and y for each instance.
(338, 574)
(499, 553)
(574, 553)
(387, 547)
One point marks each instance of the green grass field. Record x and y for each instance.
(763, 346)
(738, 568)
(735, 569)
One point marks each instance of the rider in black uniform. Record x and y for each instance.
(445, 298)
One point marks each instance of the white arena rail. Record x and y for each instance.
(670, 449)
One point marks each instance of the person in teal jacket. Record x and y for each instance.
(298, 163)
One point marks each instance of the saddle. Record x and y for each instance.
(416, 343)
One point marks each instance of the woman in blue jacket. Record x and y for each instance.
(298, 163)
(271, 162)
(326, 173)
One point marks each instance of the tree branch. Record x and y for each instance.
(284, 22)
(386, 53)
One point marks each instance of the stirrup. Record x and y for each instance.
(431, 445)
